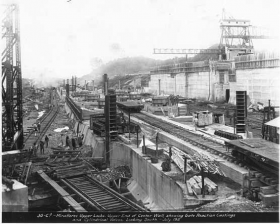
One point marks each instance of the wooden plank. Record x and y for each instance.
(65, 195)
(211, 184)
(270, 199)
(268, 190)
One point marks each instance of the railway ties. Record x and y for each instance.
(188, 136)
(97, 196)
(46, 121)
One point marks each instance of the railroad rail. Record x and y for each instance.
(268, 176)
(78, 113)
(186, 135)
(97, 196)
(46, 122)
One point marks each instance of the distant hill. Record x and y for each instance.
(120, 66)
(131, 65)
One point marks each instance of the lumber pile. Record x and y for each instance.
(209, 165)
(194, 186)
(263, 187)
(195, 162)
(269, 195)
(60, 172)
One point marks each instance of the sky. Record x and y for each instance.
(61, 38)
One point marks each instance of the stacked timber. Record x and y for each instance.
(269, 195)
(263, 187)
(60, 172)
(194, 186)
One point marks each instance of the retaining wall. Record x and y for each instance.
(149, 184)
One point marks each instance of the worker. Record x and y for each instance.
(35, 129)
(31, 149)
(35, 147)
(61, 139)
(39, 126)
(42, 150)
(47, 141)
(82, 137)
(195, 123)
(80, 142)
(67, 141)
(73, 143)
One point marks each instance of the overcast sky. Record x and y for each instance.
(60, 38)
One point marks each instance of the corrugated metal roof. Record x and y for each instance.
(274, 123)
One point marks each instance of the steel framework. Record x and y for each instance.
(237, 34)
(12, 120)
(186, 51)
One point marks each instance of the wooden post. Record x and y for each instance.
(170, 152)
(202, 178)
(144, 144)
(157, 146)
(137, 136)
(129, 123)
(185, 169)
(234, 125)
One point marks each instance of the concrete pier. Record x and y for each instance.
(15, 200)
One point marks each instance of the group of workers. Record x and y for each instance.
(72, 144)
(33, 149)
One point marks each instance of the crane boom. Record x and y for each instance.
(186, 51)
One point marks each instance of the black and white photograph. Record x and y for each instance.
(155, 111)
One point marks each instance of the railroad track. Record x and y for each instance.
(46, 122)
(203, 143)
(184, 134)
(98, 197)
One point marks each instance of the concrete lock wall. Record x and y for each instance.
(168, 84)
(96, 143)
(260, 84)
(197, 85)
(161, 189)
(15, 200)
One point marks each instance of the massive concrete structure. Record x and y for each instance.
(219, 80)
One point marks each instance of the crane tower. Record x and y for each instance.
(12, 116)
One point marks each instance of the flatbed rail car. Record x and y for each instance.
(258, 152)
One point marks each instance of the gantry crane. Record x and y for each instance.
(236, 39)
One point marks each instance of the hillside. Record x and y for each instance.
(131, 65)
